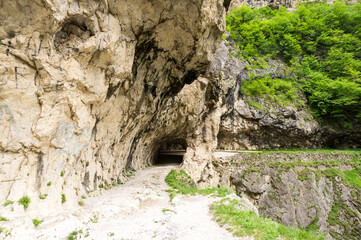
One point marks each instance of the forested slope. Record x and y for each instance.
(321, 46)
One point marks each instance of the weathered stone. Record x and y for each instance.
(91, 89)
(269, 126)
(295, 195)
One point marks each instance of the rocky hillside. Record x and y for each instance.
(91, 90)
(311, 190)
(284, 84)
(260, 123)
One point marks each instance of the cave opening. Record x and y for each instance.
(170, 152)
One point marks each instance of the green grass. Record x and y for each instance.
(182, 183)
(72, 235)
(301, 150)
(351, 178)
(256, 105)
(248, 223)
(8, 202)
(3, 218)
(25, 201)
(282, 92)
(335, 220)
(42, 197)
(167, 210)
(37, 222)
(354, 177)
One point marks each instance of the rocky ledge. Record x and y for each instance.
(312, 190)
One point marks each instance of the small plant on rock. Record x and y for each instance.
(37, 222)
(182, 183)
(42, 197)
(7, 202)
(72, 235)
(25, 201)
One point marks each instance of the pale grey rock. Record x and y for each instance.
(91, 89)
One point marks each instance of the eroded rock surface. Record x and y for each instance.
(307, 190)
(90, 90)
(263, 3)
(258, 123)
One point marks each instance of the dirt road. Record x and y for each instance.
(138, 210)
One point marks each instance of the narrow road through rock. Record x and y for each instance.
(138, 210)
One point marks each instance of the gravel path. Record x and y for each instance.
(139, 209)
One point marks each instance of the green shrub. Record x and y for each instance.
(25, 201)
(48, 184)
(319, 42)
(63, 198)
(7, 202)
(37, 222)
(256, 105)
(43, 196)
(3, 218)
(281, 91)
(72, 235)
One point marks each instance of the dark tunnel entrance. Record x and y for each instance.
(171, 152)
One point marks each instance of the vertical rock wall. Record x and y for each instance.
(90, 89)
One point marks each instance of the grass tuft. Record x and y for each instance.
(248, 223)
(183, 184)
(37, 222)
(72, 235)
(8, 202)
(43, 196)
(25, 201)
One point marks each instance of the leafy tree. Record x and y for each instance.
(321, 42)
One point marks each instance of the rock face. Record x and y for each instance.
(308, 190)
(91, 89)
(264, 3)
(257, 123)
(290, 4)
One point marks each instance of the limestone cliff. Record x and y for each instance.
(312, 190)
(90, 90)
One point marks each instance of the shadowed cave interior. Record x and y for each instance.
(171, 152)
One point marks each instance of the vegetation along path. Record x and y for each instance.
(139, 209)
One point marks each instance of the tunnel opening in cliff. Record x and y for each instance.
(171, 152)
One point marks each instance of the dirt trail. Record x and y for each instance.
(139, 209)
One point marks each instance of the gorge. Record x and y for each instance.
(92, 91)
